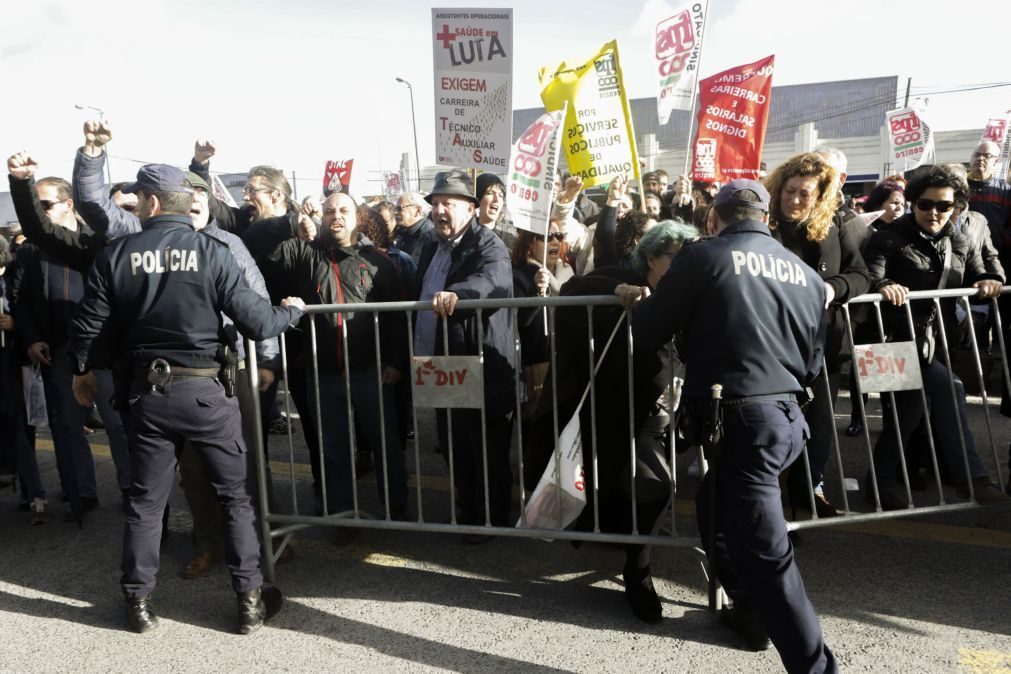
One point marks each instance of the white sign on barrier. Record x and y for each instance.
(887, 367)
(447, 381)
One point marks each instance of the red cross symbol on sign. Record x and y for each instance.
(445, 36)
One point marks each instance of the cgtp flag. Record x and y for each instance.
(532, 173)
(733, 112)
(337, 176)
(678, 49)
(910, 140)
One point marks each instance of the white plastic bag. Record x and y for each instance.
(542, 509)
(35, 396)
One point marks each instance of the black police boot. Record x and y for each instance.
(641, 594)
(258, 606)
(140, 614)
(747, 624)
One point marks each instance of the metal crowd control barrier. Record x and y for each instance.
(280, 526)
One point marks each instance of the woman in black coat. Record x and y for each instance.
(922, 251)
(803, 217)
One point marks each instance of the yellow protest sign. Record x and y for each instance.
(599, 139)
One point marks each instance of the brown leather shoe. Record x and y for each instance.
(200, 565)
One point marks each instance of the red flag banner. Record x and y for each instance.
(733, 111)
(337, 176)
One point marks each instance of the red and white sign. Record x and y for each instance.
(910, 140)
(473, 52)
(678, 49)
(447, 381)
(393, 186)
(532, 173)
(337, 176)
(894, 366)
(221, 192)
(997, 131)
(733, 112)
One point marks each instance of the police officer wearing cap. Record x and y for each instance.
(749, 314)
(154, 300)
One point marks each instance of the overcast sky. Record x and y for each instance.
(298, 82)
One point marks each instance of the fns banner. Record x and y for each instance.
(733, 111)
(598, 138)
(910, 140)
(532, 173)
(473, 87)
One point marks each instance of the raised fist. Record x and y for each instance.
(311, 207)
(203, 150)
(97, 132)
(571, 189)
(616, 189)
(306, 227)
(22, 166)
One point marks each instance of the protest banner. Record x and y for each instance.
(678, 52)
(532, 177)
(996, 131)
(910, 141)
(733, 112)
(599, 138)
(894, 366)
(337, 176)
(473, 87)
(393, 185)
(221, 192)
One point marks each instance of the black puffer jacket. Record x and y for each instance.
(838, 262)
(350, 275)
(900, 252)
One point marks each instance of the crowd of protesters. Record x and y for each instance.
(939, 227)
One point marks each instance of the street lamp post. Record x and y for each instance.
(414, 126)
(101, 117)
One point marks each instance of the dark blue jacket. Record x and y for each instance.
(750, 312)
(480, 269)
(992, 198)
(161, 293)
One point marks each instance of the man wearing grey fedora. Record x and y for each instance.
(461, 260)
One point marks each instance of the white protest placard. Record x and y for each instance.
(894, 366)
(393, 186)
(532, 173)
(678, 50)
(221, 192)
(473, 51)
(996, 131)
(547, 507)
(911, 142)
(447, 381)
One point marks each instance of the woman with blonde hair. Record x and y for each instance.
(805, 198)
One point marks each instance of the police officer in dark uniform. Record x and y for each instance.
(153, 307)
(749, 314)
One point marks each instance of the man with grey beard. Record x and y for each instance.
(341, 267)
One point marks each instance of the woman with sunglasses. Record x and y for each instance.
(531, 278)
(922, 251)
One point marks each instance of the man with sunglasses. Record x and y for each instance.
(47, 290)
(990, 194)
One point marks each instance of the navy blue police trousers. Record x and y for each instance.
(753, 554)
(159, 422)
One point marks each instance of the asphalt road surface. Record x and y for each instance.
(922, 594)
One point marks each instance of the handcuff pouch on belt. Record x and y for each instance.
(229, 361)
